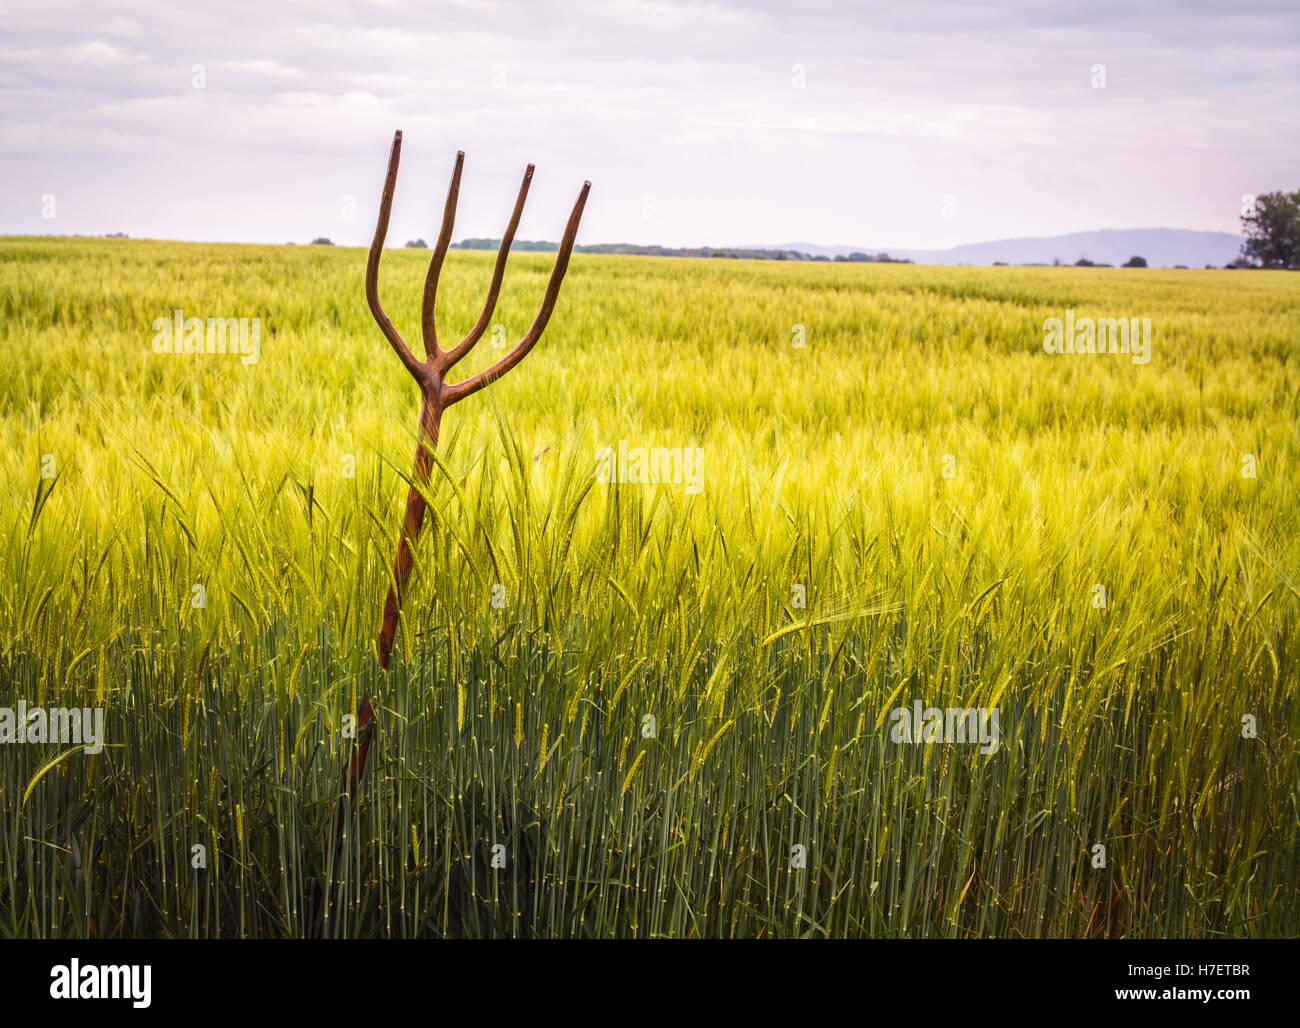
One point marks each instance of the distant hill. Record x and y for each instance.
(1162, 247)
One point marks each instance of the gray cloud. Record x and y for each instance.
(693, 104)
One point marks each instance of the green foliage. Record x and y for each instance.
(1272, 229)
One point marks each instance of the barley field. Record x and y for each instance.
(630, 709)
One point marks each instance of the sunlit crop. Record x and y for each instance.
(668, 707)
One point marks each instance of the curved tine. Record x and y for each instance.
(498, 273)
(435, 262)
(472, 385)
(372, 263)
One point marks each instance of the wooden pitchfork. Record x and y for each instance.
(436, 395)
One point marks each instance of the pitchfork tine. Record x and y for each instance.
(498, 273)
(372, 265)
(435, 262)
(460, 390)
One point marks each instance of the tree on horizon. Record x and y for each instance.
(1272, 228)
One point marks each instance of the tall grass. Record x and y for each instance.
(523, 725)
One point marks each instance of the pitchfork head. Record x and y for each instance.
(431, 372)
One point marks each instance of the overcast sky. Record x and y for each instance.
(698, 123)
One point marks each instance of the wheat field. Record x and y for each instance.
(631, 709)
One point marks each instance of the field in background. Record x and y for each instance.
(523, 725)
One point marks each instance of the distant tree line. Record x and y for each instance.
(1270, 222)
(636, 249)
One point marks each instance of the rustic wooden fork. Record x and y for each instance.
(436, 395)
